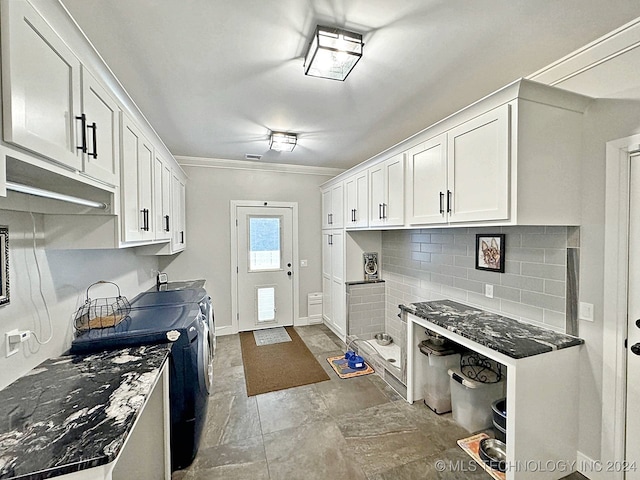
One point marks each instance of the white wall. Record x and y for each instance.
(65, 276)
(208, 253)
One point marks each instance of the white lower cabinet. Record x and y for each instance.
(333, 285)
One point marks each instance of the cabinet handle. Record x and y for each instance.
(166, 223)
(182, 236)
(146, 219)
(380, 211)
(330, 239)
(94, 129)
(83, 123)
(384, 210)
(329, 219)
(448, 201)
(441, 203)
(354, 215)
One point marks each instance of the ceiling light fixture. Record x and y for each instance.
(333, 52)
(283, 142)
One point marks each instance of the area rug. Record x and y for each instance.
(279, 366)
(340, 365)
(269, 336)
(471, 446)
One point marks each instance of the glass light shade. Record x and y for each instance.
(283, 142)
(332, 53)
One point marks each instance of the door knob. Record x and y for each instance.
(638, 323)
(635, 349)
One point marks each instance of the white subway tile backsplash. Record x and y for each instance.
(430, 264)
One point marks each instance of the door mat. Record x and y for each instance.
(471, 446)
(279, 366)
(340, 365)
(269, 336)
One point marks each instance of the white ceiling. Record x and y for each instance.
(215, 76)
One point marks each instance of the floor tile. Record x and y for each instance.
(319, 343)
(231, 418)
(350, 394)
(290, 408)
(231, 461)
(311, 452)
(229, 380)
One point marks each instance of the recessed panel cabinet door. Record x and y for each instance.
(102, 159)
(161, 196)
(427, 182)
(393, 210)
(41, 86)
(478, 168)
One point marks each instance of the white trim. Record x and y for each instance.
(233, 205)
(605, 48)
(616, 260)
(203, 162)
(589, 467)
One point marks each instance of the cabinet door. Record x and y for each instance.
(393, 208)
(326, 253)
(356, 201)
(337, 206)
(478, 168)
(102, 159)
(376, 195)
(326, 277)
(41, 86)
(136, 184)
(338, 299)
(326, 208)
(161, 195)
(178, 214)
(427, 182)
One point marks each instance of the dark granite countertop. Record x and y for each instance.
(178, 285)
(510, 337)
(74, 412)
(364, 282)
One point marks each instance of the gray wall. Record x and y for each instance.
(208, 253)
(65, 276)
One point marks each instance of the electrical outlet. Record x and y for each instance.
(585, 311)
(488, 291)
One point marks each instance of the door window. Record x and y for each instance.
(265, 243)
(266, 300)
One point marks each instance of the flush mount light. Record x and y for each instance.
(332, 53)
(283, 142)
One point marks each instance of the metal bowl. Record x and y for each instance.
(383, 338)
(493, 452)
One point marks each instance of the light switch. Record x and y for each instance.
(585, 311)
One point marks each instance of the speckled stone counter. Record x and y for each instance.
(510, 337)
(74, 412)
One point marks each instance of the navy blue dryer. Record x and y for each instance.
(186, 327)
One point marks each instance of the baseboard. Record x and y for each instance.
(301, 322)
(596, 470)
(226, 330)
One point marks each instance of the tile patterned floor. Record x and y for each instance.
(356, 429)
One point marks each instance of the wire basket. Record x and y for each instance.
(101, 312)
(480, 368)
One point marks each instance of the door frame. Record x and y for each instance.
(616, 280)
(234, 204)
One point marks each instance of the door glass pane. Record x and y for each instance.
(266, 304)
(264, 243)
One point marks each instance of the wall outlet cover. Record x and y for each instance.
(585, 311)
(488, 291)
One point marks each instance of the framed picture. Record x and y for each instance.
(4, 265)
(490, 252)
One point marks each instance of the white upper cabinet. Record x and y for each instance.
(40, 86)
(357, 200)
(461, 175)
(333, 207)
(386, 192)
(99, 131)
(427, 182)
(478, 168)
(178, 213)
(137, 185)
(162, 198)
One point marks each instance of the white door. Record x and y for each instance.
(265, 267)
(633, 339)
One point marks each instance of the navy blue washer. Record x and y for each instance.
(186, 328)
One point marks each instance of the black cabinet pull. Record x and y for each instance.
(384, 210)
(166, 223)
(448, 201)
(94, 129)
(441, 203)
(380, 211)
(354, 215)
(144, 219)
(83, 123)
(182, 236)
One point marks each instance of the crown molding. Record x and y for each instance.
(204, 162)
